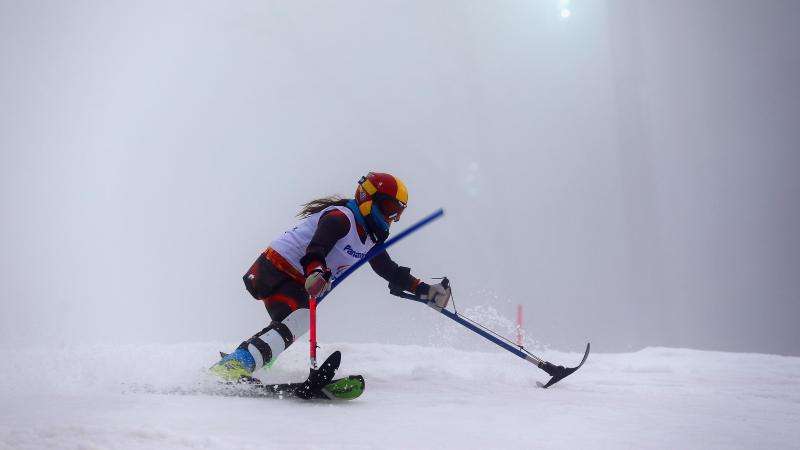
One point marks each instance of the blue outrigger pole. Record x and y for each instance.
(378, 249)
(556, 372)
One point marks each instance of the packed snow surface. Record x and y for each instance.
(139, 397)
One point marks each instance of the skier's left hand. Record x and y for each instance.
(318, 282)
(437, 296)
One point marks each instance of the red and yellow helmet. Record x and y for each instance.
(385, 191)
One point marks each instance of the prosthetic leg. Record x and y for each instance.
(263, 348)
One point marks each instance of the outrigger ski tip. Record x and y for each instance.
(558, 373)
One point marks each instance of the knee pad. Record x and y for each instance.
(266, 345)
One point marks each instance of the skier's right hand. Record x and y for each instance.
(318, 282)
(437, 296)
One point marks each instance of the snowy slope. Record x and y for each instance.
(118, 397)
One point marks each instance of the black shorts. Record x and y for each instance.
(280, 293)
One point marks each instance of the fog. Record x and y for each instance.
(627, 173)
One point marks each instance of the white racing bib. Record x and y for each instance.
(347, 251)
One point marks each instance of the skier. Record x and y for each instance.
(304, 261)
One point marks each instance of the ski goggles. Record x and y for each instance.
(391, 208)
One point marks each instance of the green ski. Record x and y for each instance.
(345, 388)
(348, 388)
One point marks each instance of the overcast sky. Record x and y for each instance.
(628, 173)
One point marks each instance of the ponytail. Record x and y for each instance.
(317, 205)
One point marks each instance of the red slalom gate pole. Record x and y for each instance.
(312, 310)
(519, 324)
